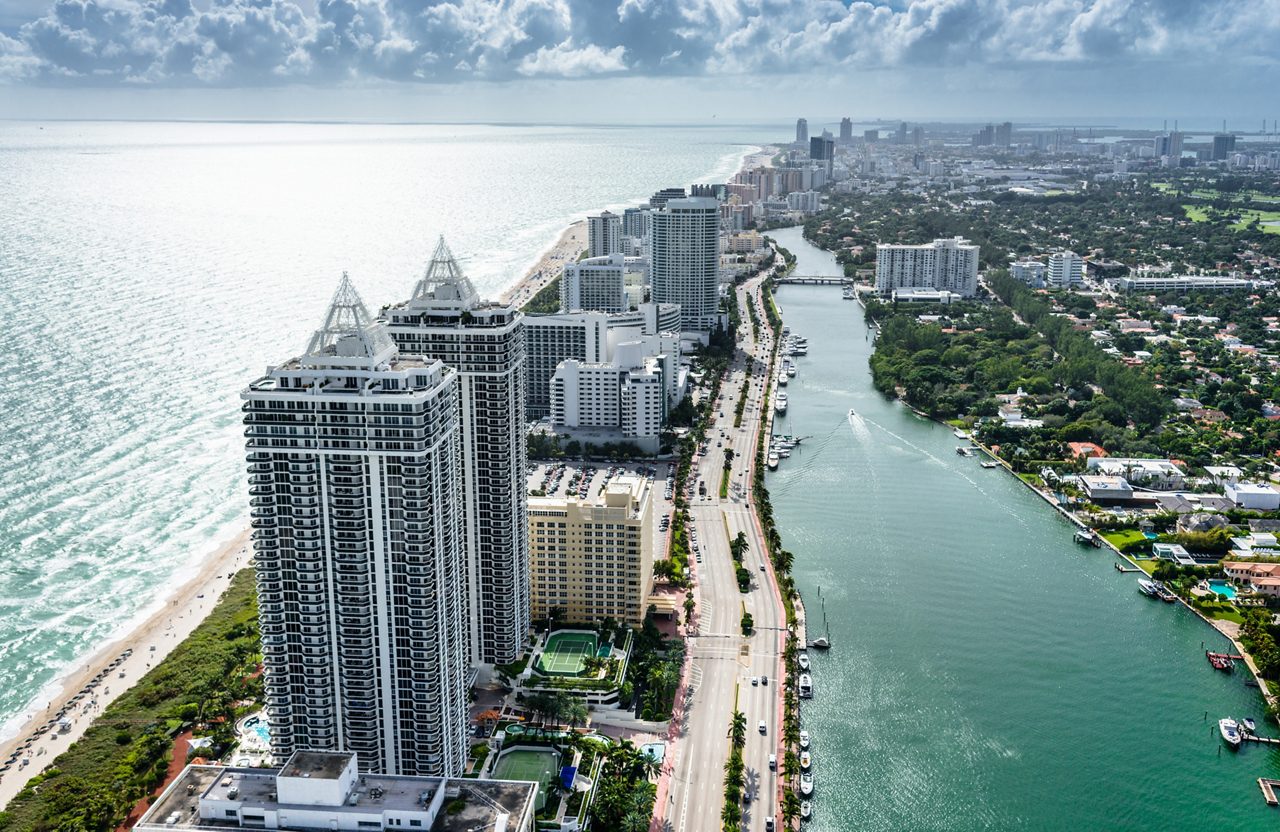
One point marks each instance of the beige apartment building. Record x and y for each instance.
(593, 558)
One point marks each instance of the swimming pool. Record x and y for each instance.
(1223, 588)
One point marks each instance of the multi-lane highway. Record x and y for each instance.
(723, 661)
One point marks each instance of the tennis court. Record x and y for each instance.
(564, 653)
(536, 765)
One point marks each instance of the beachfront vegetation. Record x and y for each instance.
(547, 301)
(92, 786)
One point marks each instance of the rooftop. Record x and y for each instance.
(325, 765)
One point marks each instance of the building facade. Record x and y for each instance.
(604, 234)
(684, 267)
(802, 131)
(354, 483)
(1030, 272)
(950, 264)
(1066, 270)
(593, 558)
(484, 343)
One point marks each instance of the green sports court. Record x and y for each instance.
(565, 652)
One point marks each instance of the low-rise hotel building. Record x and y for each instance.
(593, 558)
(324, 790)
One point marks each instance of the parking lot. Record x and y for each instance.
(553, 479)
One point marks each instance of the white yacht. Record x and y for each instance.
(773, 461)
(806, 686)
(804, 739)
(803, 661)
(781, 404)
(806, 784)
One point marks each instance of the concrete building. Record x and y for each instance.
(950, 264)
(1224, 144)
(1180, 284)
(846, 129)
(808, 202)
(664, 196)
(323, 790)
(1157, 474)
(1102, 489)
(484, 342)
(355, 492)
(597, 284)
(593, 558)
(588, 337)
(802, 132)
(628, 395)
(635, 223)
(604, 234)
(1066, 270)
(1030, 272)
(917, 294)
(1252, 495)
(685, 264)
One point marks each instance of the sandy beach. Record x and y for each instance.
(566, 249)
(117, 667)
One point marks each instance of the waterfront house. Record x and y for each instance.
(1200, 521)
(1172, 552)
(1086, 450)
(1101, 489)
(1157, 474)
(1252, 495)
(1258, 578)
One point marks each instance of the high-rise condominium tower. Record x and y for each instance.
(802, 131)
(604, 234)
(353, 483)
(684, 264)
(484, 342)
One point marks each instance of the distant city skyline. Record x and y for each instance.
(555, 59)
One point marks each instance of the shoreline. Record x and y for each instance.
(85, 691)
(566, 248)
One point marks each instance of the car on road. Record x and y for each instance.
(768, 823)
(762, 567)
(764, 680)
(755, 682)
(764, 729)
(773, 762)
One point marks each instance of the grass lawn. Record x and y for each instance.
(1148, 565)
(1224, 612)
(1120, 539)
(1197, 213)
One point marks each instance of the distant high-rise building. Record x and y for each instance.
(604, 234)
(1004, 134)
(663, 196)
(901, 136)
(871, 136)
(684, 264)
(846, 129)
(715, 191)
(985, 137)
(445, 319)
(917, 135)
(1066, 270)
(1224, 144)
(823, 149)
(950, 264)
(1169, 148)
(635, 222)
(595, 284)
(354, 483)
(802, 131)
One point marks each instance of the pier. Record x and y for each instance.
(1268, 787)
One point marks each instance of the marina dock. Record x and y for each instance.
(1268, 787)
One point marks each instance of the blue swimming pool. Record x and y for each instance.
(1223, 588)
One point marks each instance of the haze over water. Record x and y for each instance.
(986, 672)
(151, 270)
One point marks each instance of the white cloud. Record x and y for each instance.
(247, 42)
(564, 61)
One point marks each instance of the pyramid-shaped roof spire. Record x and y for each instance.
(349, 335)
(443, 284)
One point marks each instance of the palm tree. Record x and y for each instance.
(790, 807)
(738, 729)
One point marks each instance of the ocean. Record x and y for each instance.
(151, 270)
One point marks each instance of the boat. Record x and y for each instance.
(803, 661)
(791, 370)
(1147, 588)
(806, 686)
(1086, 537)
(1220, 661)
(806, 760)
(1165, 594)
(781, 404)
(804, 739)
(784, 453)
(1248, 725)
(782, 379)
(821, 642)
(990, 463)
(964, 450)
(1230, 731)
(806, 810)
(773, 461)
(960, 434)
(806, 784)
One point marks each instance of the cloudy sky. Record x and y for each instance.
(640, 60)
